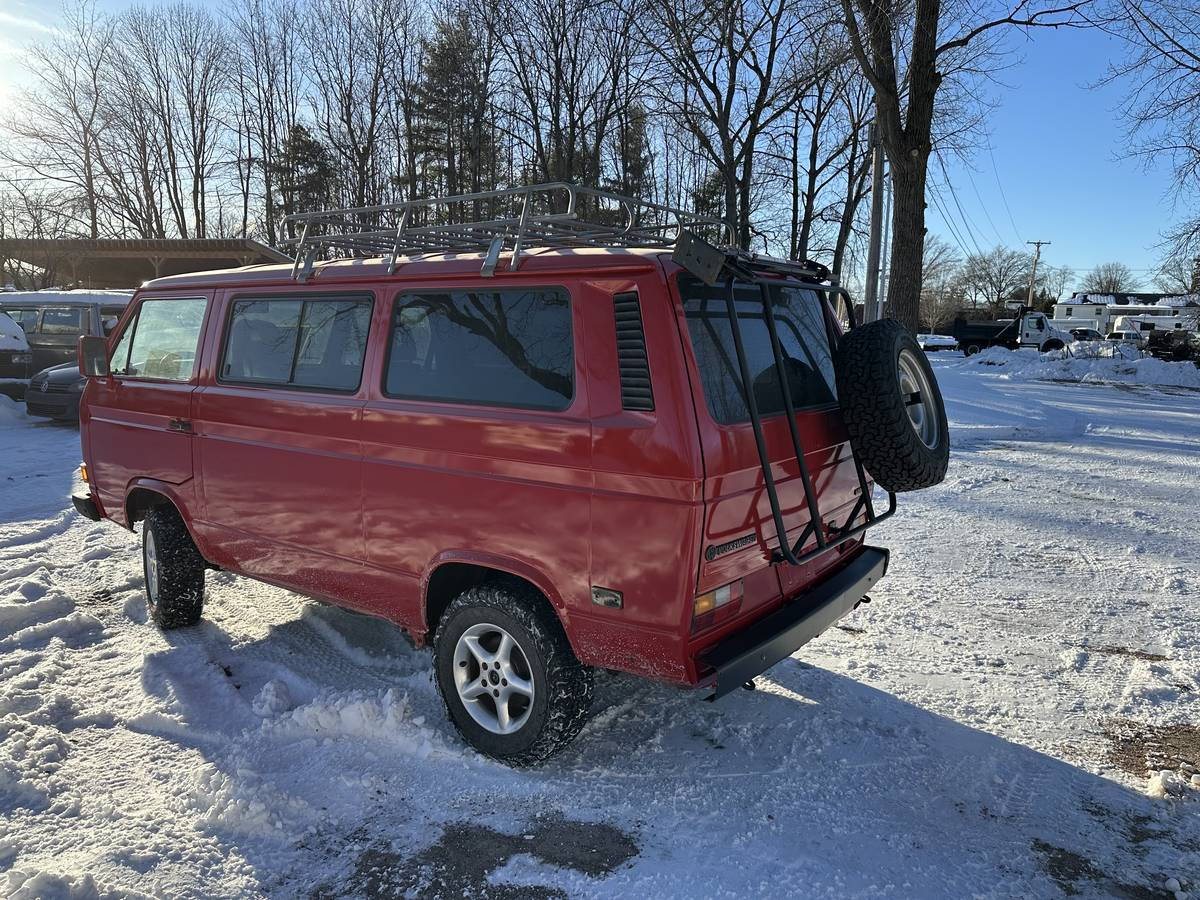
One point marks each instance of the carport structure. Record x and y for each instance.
(119, 263)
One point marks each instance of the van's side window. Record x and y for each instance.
(498, 348)
(315, 343)
(161, 341)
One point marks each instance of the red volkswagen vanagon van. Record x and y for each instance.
(541, 443)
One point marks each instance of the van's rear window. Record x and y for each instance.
(496, 348)
(803, 336)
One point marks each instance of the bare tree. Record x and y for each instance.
(1109, 278)
(725, 73)
(39, 212)
(1162, 106)
(350, 45)
(1177, 275)
(60, 119)
(997, 275)
(907, 50)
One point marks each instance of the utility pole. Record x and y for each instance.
(870, 295)
(885, 252)
(1037, 254)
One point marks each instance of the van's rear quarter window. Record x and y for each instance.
(511, 348)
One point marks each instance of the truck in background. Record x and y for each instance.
(1026, 329)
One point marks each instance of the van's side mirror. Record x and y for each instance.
(93, 356)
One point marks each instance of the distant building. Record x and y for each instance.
(119, 263)
(1154, 311)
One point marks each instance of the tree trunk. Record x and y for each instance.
(908, 238)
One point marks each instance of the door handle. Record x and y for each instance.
(179, 425)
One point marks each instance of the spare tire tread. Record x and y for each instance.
(877, 422)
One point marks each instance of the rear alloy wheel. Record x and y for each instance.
(510, 681)
(173, 568)
(892, 406)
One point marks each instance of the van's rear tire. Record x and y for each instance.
(892, 406)
(174, 570)
(500, 646)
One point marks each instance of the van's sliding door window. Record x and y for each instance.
(318, 344)
(804, 339)
(497, 348)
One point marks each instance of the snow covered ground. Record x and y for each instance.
(980, 730)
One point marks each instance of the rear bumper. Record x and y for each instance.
(86, 506)
(756, 648)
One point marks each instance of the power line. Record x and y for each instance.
(983, 206)
(933, 195)
(954, 196)
(1000, 185)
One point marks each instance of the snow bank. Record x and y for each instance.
(362, 715)
(1028, 365)
(12, 337)
(11, 412)
(26, 885)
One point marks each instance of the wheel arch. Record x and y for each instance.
(452, 573)
(144, 494)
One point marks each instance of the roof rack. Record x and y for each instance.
(555, 214)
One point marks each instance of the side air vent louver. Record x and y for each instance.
(631, 353)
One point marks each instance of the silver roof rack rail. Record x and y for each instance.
(552, 215)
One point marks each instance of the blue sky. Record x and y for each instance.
(1057, 147)
(1056, 144)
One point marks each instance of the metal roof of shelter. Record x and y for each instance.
(122, 263)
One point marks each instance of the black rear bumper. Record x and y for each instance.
(86, 507)
(752, 651)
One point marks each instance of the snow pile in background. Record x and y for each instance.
(11, 412)
(1029, 365)
(12, 336)
(1179, 300)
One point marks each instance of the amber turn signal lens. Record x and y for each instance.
(710, 601)
(83, 472)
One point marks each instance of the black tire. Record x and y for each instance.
(175, 590)
(971, 349)
(872, 363)
(1050, 345)
(562, 687)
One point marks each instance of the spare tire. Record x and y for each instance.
(892, 406)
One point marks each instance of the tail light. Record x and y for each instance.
(716, 606)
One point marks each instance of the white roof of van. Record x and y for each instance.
(57, 295)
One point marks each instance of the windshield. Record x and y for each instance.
(804, 339)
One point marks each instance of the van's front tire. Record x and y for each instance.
(173, 568)
(510, 681)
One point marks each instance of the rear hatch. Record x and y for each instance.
(739, 530)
